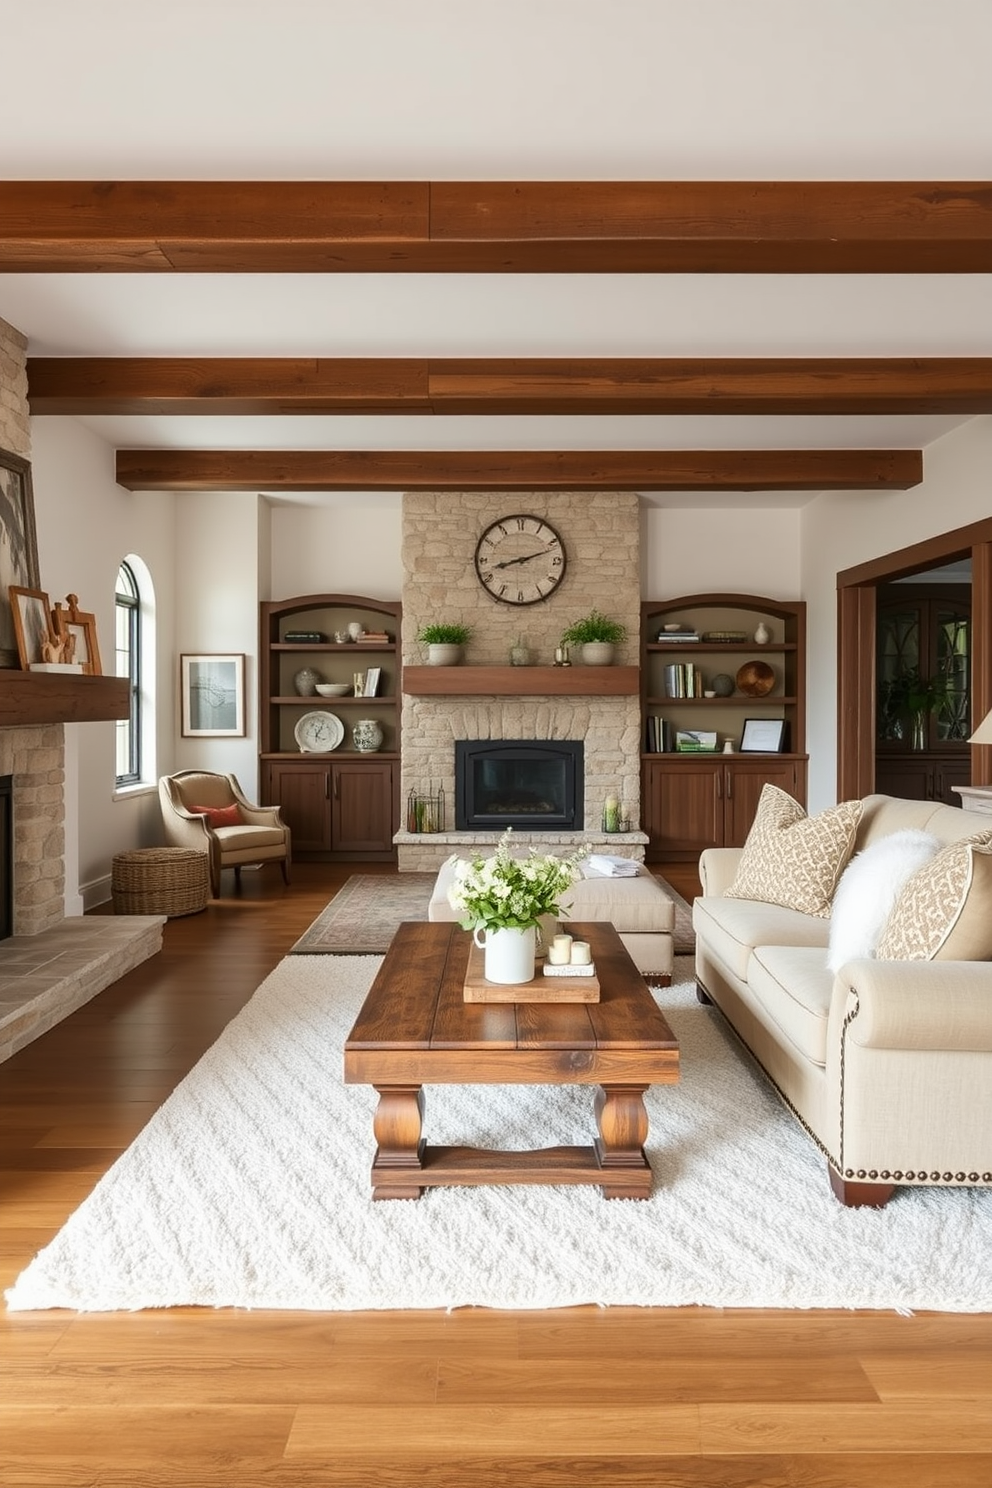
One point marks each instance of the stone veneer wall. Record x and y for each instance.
(35, 757)
(601, 535)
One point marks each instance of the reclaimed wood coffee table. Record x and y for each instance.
(415, 1029)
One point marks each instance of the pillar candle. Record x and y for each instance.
(560, 950)
(581, 954)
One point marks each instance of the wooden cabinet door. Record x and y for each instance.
(684, 805)
(301, 790)
(362, 806)
(744, 780)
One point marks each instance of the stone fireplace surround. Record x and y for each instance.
(601, 535)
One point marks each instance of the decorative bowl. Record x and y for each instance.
(333, 689)
(756, 678)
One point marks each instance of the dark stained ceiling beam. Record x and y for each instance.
(496, 227)
(287, 385)
(518, 470)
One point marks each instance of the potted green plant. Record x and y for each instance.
(596, 635)
(444, 642)
(913, 695)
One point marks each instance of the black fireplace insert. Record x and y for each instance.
(518, 783)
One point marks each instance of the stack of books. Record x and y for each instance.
(307, 637)
(683, 679)
(374, 637)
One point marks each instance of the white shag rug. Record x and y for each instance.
(250, 1188)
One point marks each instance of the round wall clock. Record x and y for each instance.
(319, 733)
(520, 559)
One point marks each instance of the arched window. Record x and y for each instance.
(127, 612)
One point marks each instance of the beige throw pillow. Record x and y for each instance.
(793, 859)
(944, 913)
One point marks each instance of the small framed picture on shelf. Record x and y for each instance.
(76, 630)
(372, 681)
(763, 736)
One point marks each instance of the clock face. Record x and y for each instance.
(319, 733)
(520, 559)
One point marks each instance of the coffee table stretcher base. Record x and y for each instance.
(404, 1164)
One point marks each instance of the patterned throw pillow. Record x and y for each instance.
(219, 816)
(793, 859)
(944, 913)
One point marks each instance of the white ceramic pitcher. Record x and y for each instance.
(509, 954)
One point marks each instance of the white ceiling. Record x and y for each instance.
(500, 89)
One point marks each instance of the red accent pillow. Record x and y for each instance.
(219, 816)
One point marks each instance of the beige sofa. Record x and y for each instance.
(888, 1064)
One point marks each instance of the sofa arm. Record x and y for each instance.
(717, 869)
(924, 1005)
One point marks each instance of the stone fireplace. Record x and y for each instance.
(601, 535)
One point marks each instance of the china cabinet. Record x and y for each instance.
(703, 675)
(340, 802)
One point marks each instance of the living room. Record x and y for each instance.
(630, 92)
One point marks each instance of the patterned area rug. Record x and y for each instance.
(362, 917)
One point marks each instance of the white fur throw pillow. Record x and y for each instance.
(868, 889)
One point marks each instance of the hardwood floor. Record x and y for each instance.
(469, 1399)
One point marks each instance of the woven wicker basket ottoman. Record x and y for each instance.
(168, 881)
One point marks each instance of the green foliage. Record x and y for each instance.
(594, 627)
(508, 893)
(444, 635)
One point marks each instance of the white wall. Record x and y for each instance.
(738, 549)
(350, 547)
(217, 597)
(840, 530)
(86, 524)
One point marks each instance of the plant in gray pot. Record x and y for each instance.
(597, 636)
(444, 643)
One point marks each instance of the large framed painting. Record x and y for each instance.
(213, 695)
(18, 547)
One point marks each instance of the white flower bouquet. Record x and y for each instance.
(508, 893)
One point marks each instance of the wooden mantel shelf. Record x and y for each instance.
(518, 681)
(34, 698)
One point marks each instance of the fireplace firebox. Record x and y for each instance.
(518, 783)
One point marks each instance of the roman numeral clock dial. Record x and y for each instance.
(520, 559)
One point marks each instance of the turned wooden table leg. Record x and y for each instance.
(398, 1123)
(623, 1130)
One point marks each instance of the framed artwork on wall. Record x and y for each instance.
(18, 547)
(212, 695)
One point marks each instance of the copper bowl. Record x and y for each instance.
(756, 678)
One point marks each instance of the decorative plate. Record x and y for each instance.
(756, 678)
(319, 733)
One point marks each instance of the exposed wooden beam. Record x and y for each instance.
(726, 227)
(284, 385)
(518, 470)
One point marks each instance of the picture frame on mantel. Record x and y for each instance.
(32, 624)
(81, 626)
(18, 547)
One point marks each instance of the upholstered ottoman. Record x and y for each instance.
(640, 909)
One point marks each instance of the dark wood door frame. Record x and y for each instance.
(856, 594)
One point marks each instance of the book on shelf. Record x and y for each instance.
(312, 637)
(371, 686)
(376, 637)
(683, 679)
(695, 741)
(678, 636)
(658, 738)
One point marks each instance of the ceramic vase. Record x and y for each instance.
(306, 681)
(508, 954)
(367, 736)
(440, 653)
(597, 653)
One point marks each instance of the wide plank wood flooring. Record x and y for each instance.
(471, 1399)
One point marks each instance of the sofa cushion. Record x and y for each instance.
(793, 859)
(868, 889)
(945, 910)
(794, 987)
(731, 928)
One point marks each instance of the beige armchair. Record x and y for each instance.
(250, 834)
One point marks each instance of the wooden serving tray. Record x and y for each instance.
(539, 989)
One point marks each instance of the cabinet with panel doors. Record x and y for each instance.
(340, 803)
(706, 682)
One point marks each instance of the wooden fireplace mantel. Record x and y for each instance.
(30, 699)
(521, 681)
